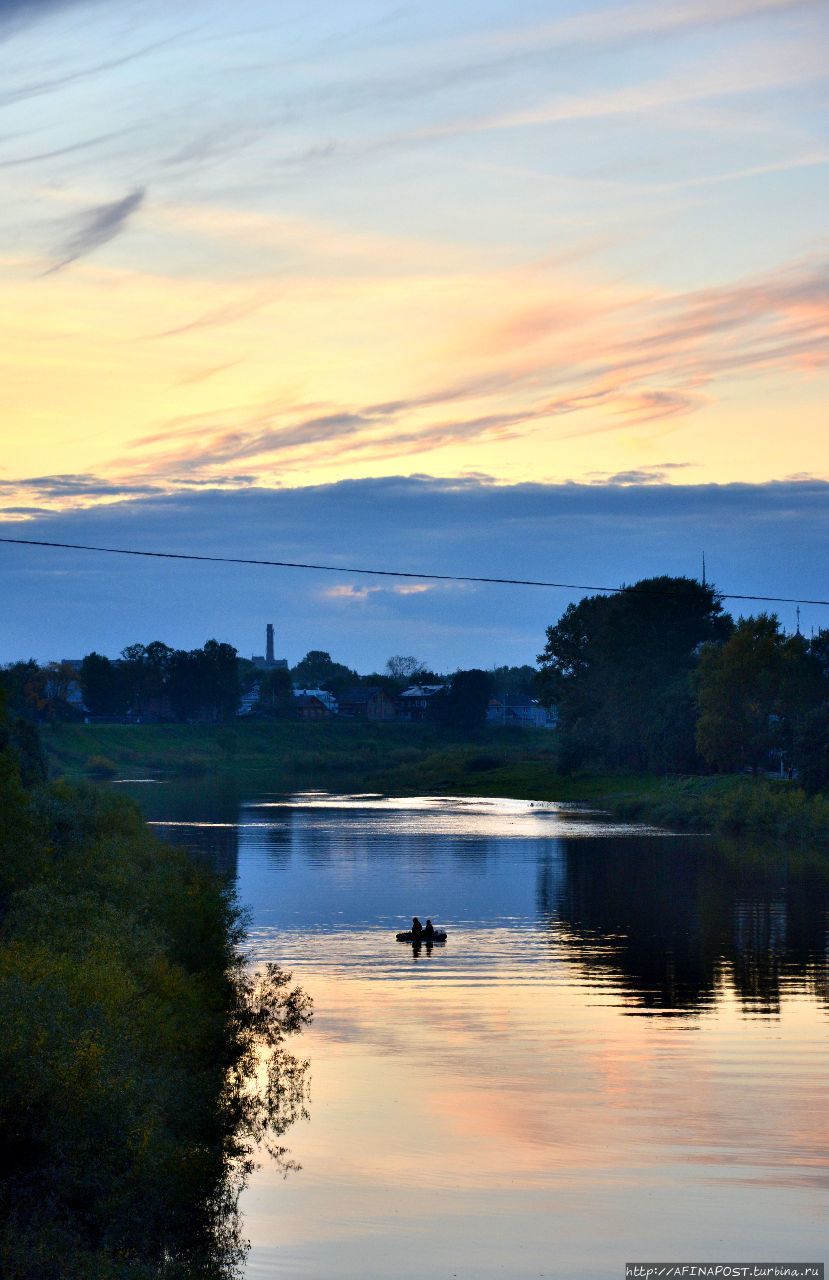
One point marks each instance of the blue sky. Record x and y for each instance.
(261, 261)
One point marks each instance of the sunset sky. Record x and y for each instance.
(256, 248)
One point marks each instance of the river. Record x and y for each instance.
(620, 1053)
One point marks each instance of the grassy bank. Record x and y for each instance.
(287, 754)
(731, 806)
(130, 1030)
(410, 759)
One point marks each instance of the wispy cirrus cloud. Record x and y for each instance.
(98, 226)
(54, 493)
(71, 148)
(26, 89)
(646, 361)
(698, 82)
(68, 486)
(430, 68)
(219, 316)
(631, 22)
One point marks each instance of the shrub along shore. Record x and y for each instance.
(131, 1036)
(412, 759)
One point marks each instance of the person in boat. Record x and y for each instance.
(428, 931)
(417, 929)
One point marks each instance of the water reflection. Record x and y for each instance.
(661, 923)
(673, 921)
(493, 1108)
(420, 947)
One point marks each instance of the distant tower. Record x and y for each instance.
(269, 644)
(704, 583)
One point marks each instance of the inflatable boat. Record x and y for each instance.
(438, 936)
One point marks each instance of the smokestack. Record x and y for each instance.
(269, 642)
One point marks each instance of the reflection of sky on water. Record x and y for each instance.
(493, 1109)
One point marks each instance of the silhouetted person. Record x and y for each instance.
(428, 931)
(417, 929)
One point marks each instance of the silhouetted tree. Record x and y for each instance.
(617, 668)
(219, 678)
(184, 684)
(145, 669)
(754, 693)
(811, 749)
(275, 693)
(104, 686)
(37, 693)
(461, 708)
(317, 670)
(204, 682)
(404, 669)
(512, 680)
(25, 687)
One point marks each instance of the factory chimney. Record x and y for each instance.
(269, 644)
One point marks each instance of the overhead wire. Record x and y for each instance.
(395, 573)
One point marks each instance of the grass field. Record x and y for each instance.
(389, 757)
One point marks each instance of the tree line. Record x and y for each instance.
(150, 680)
(657, 678)
(157, 682)
(660, 678)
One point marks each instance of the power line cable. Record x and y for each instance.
(391, 573)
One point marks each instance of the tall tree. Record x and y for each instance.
(275, 692)
(145, 669)
(404, 668)
(317, 670)
(461, 708)
(104, 687)
(204, 682)
(184, 684)
(617, 668)
(512, 680)
(754, 694)
(219, 679)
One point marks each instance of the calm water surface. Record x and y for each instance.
(619, 1054)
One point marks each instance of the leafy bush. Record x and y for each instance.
(131, 1041)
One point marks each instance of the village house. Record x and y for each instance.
(322, 695)
(367, 702)
(310, 708)
(415, 703)
(519, 709)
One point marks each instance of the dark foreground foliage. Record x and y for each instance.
(131, 1039)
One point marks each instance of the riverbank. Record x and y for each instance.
(292, 754)
(128, 1056)
(418, 759)
(732, 806)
